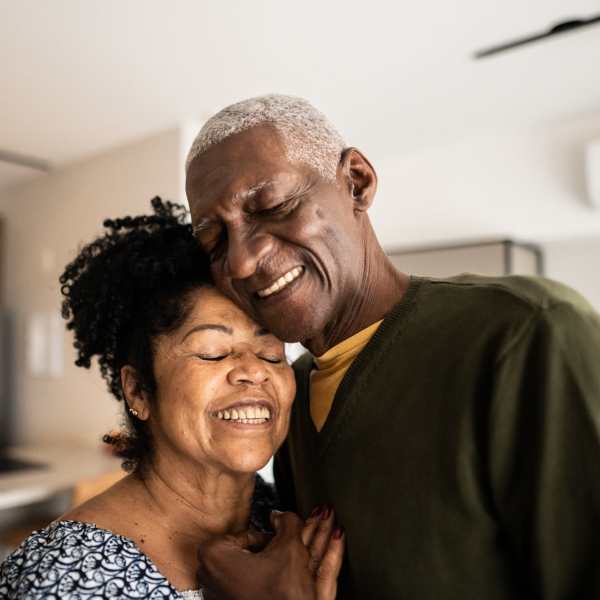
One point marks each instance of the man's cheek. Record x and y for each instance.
(239, 297)
(222, 283)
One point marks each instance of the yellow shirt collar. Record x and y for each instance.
(349, 346)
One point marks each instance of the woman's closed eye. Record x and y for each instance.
(275, 360)
(212, 357)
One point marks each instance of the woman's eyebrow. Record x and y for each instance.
(211, 326)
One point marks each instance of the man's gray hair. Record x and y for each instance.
(307, 134)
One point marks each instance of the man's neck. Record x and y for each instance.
(381, 289)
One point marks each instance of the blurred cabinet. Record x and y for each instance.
(493, 258)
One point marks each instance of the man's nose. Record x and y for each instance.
(245, 251)
(248, 369)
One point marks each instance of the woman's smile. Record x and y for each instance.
(222, 381)
(246, 415)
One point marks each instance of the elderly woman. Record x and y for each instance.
(207, 396)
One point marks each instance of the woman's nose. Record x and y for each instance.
(249, 370)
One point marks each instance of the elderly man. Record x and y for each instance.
(454, 425)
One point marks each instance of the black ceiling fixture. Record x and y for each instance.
(21, 160)
(558, 29)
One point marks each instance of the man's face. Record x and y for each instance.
(284, 244)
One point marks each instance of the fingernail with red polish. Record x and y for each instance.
(326, 512)
(338, 532)
(316, 511)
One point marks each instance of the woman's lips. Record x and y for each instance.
(246, 413)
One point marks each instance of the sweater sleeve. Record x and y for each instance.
(544, 453)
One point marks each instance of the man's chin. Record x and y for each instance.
(287, 334)
(292, 318)
(290, 329)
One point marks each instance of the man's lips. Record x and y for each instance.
(281, 283)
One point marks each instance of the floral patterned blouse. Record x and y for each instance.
(78, 561)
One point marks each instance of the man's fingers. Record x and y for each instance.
(254, 540)
(223, 563)
(230, 548)
(329, 568)
(226, 565)
(251, 539)
(287, 525)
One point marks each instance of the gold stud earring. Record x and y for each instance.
(134, 412)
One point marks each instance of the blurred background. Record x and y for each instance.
(488, 164)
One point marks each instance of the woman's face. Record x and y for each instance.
(224, 388)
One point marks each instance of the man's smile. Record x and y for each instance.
(281, 282)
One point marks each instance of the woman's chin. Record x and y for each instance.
(250, 462)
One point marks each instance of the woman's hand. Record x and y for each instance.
(301, 562)
(325, 543)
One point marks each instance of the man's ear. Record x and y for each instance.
(135, 396)
(360, 178)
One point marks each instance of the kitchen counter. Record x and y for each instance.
(63, 467)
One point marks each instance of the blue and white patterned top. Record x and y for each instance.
(78, 561)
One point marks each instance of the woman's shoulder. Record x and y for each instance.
(79, 561)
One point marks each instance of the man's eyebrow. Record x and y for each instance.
(210, 326)
(203, 224)
(248, 194)
(259, 187)
(255, 190)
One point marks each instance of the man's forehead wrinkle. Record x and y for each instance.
(205, 181)
(218, 198)
(204, 188)
(228, 209)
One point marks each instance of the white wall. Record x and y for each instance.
(45, 222)
(576, 262)
(528, 184)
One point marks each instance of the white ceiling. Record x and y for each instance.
(79, 77)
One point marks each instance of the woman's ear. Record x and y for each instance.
(135, 396)
(360, 178)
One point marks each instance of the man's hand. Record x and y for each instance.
(301, 562)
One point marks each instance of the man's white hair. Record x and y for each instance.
(307, 134)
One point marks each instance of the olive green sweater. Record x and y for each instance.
(462, 452)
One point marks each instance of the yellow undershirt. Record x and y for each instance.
(330, 370)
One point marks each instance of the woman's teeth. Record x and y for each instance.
(282, 282)
(252, 415)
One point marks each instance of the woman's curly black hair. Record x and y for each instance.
(123, 290)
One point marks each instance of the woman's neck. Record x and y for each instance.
(198, 507)
(184, 512)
